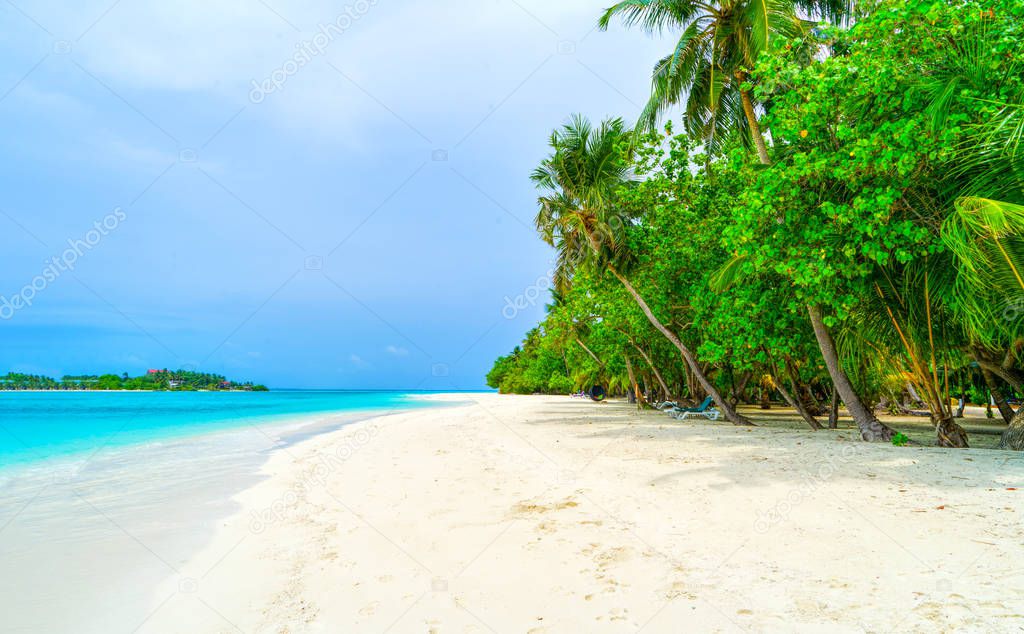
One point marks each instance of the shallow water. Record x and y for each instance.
(94, 518)
(43, 425)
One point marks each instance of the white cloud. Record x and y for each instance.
(356, 360)
(417, 59)
(397, 351)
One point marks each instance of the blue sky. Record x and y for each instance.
(302, 193)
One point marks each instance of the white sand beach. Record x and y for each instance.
(548, 514)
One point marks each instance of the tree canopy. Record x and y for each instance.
(870, 250)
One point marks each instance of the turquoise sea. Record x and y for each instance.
(45, 425)
(99, 474)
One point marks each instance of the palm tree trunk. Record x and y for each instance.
(871, 429)
(1010, 375)
(997, 395)
(740, 392)
(1013, 437)
(796, 404)
(949, 434)
(801, 391)
(730, 413)
(650, 364)
(833, 409)
(792, 398)
(637, 397)
(692, 387)
(590, 352)
(755, 127)
(801, 403)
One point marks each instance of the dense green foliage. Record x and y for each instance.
(870, 251)
(163, 380)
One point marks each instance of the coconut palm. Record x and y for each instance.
(983, 188)
(708, 72)
(579, 217)
(906, 321)
(987, 238)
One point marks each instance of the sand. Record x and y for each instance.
(551, 514)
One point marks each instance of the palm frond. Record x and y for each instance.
(653, 16)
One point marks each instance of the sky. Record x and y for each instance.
(302, 193)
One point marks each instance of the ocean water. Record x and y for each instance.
(105, 496)
(36, 426)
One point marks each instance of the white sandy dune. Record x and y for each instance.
(545, 514)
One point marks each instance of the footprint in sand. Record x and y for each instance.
(370, 608)
(617, 614)
(528, 508)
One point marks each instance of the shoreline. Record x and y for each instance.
(543, 514)
(65, 458)
(125, 518)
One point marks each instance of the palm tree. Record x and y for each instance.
(984, 180)
(906, 322)
(871, 428)
(709, 69)
(579, 217)
(987, 238)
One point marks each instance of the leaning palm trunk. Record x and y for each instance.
(637, 394)
(871, 429)
(755, 127)
(1013, 437)
(1010, 375)
(796, 404)
(591, 353)
(792, 398)
(650, 364)
(997, 395)
(730, 413)
(801, 391)
(948, 433)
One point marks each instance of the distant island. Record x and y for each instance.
(152, 381)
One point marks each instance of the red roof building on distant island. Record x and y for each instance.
(152, 371)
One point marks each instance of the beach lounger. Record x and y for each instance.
(704, 409)
(711, 413)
